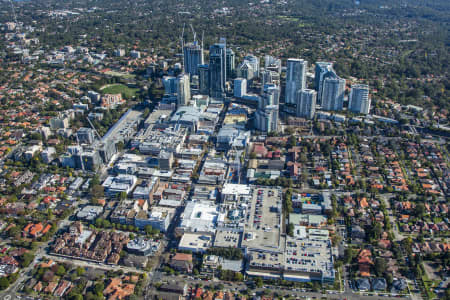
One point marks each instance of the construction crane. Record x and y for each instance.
(17, 24)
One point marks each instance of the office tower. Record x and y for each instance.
(254, 62)
(269, 77)
(85, 135)
(203, 79)
(170, 85)
(323, 70)
(217, 69)
(359, 101)
(230, 60)
(306, 103)
(240, 87)
(107, 149)
(246, 70)
(267, 120)
(183, 90)
(193, 56)
(333, 93)
(295, 78)
(273, 64)
(270, 96)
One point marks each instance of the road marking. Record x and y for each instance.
(7, 297)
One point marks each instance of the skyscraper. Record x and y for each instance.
(193, 56)
(230, 60)
(240, 87)
(270, 96)
(333, 93)
(269, 77)
(359, 101)
(306, 103)
(273, 64)
(170, 86)
(295, 78)
(203, 79)
(217, 69)
(323, 70)
(267, 120)
(254, 62)
(183, 90)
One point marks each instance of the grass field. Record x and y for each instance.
(126, 92)
(120, 74)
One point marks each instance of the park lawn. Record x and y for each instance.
(119, 88)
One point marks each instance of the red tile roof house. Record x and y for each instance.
(62, 288)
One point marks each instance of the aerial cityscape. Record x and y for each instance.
(195, 149)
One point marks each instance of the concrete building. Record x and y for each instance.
(142, 246)
(48, 154)
(119, 52)
(135, 54)
(267, 120)
(85, 135)
(333, 94)
(359, 101)
(270, 96)
(240, 87)
(306, 103)
(295, 78)
(120, 183)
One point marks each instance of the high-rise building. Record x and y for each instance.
(323, 70)
(193, 56)
(246, 70)
(183, 90)
(273, 64)
(240, 87)
(270, 96)
(85, 135)
(203, 79)
(269, 77)
(254, 62)
(230, 60)
(170, 85)
(306, 103)
(295, 78)
(267, 120)
(359, 101)
(217, 69)
(333, 93)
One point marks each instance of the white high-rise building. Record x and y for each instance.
(359, 101)
(240, 87)
(267, 120)
(295, 78)
(270, 96)
(333, 94)
(323, 70)
(183, 90)
(306, 103)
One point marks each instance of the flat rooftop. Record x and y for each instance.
(262, 229)
(227, 238)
